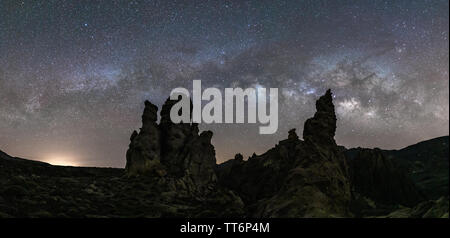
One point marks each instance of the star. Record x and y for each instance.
(74, 76)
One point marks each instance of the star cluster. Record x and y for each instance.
(74, 74)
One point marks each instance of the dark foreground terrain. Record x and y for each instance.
(171, 171)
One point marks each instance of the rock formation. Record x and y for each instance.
(296, 178)
(322, 127)
(171, 172)
(170, 150)
(144, 153)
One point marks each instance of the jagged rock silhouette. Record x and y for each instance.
(171, 171)
(296, 178)
(144, 153)
(322, 127)
(172, 150)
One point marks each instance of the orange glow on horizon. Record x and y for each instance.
(63, 160)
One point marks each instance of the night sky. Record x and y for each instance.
(74, 74)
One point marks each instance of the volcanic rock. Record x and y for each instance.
(295, 178)
(171, 172)
(175, 151)
(144, 153)
(322, 127)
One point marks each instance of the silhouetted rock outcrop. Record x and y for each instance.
(292, 135)
(171, 171)
(322, 127)
(296, 178)
(144, 153)
(172, 150)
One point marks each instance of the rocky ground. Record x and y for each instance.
(171, 171)
(34, 189)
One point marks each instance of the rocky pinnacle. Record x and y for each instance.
(322, 127)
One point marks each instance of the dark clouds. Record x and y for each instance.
(73, 75)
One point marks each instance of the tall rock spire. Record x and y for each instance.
(144, 154)
(322, 127)
(296, 178)
(174, 150)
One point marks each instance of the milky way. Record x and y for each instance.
(74, 74)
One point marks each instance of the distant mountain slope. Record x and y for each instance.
(5, 156)
(374, 175)
(12, 166)
(427, 163)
